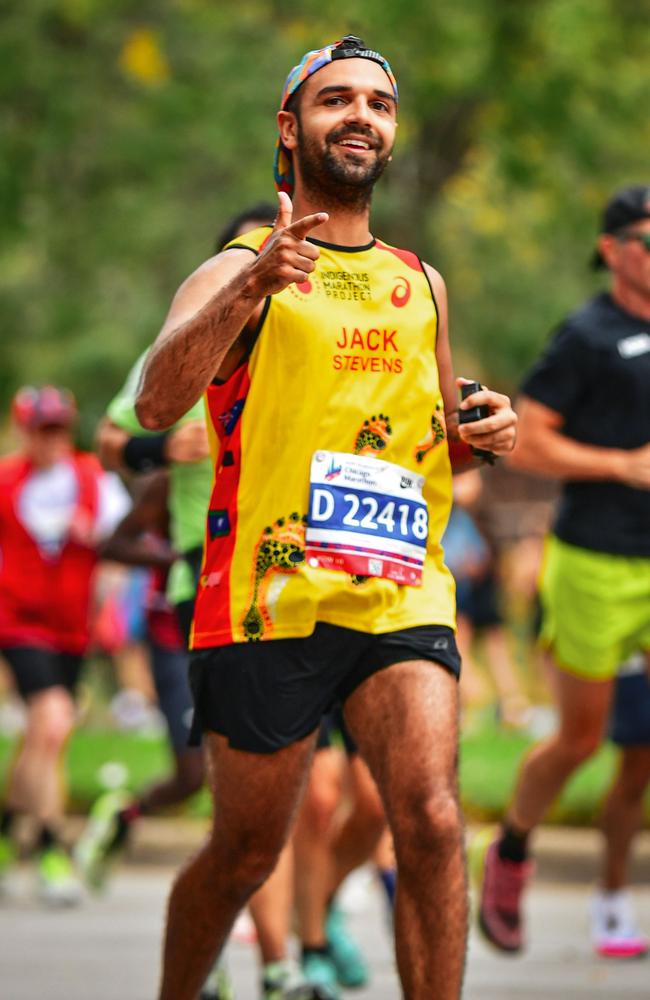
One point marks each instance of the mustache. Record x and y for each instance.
(362, 131)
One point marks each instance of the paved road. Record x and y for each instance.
(108, 948)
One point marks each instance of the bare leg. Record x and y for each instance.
(623, 814)
(512, 699)
(271, 906)
(405, 721)
(583, 706)
(474, 691)
(255, 798)
(362, 828)
(35, 785)
(188, 778)
(384, 856)
(327, 851)
(313, 843)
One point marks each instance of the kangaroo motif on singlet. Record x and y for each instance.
(281, 549)
(373, 435)
(434, 436)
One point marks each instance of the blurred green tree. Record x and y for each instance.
(132, 130)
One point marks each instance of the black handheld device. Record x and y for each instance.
(475, 413)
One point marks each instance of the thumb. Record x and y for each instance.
(285, 212)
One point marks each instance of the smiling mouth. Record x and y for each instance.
(356, 145)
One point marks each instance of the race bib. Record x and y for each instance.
(366, 517)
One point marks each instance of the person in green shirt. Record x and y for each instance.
(123, 445)
(183, 450)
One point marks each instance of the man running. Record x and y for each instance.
(328, 373)
(56, 504)
(585, 419)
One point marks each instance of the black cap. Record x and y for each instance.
(626, 206)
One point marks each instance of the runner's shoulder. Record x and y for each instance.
(590, 322)
(436, 280)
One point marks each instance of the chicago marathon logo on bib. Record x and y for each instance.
(366, 517)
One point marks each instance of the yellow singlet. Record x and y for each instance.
(322, 439)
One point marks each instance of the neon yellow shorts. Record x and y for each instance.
(596, 608)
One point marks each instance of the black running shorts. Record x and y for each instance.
(630, 715)
(266, 695)
(35, 669)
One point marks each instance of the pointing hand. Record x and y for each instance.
(288, 256)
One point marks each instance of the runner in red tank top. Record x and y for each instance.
(55, 504)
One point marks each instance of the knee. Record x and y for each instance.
(579, 747)
(50, 725)
(429, 824)
(248, 859)
(319, 808)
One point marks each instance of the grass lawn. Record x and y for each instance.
(489, 760)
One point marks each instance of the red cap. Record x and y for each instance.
(47, 406)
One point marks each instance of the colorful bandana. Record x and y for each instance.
(348, 48)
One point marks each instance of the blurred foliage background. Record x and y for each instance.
(131, 131)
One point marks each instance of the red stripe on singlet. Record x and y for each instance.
(212, 619)
(407, 256)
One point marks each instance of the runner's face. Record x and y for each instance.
(629, 260)
(45, 446)
(345, 130)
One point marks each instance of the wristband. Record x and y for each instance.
(461, 453)
(484, 455)
(146, 452)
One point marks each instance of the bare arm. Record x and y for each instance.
(109, 442)
(543, 449)
(184, 445)
(139, 538)
(496, 433)
(210, 311)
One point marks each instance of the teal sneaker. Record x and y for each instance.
(351, 967)
(218, 985)
(102, 840)
(8, 858)
(284, 980)
(320, 972)
(58, 884)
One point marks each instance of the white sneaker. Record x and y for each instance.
(613, 929)
(57, 883)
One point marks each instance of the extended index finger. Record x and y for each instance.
(301, 227)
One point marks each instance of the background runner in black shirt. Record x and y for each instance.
(595, 374)
(584, 419)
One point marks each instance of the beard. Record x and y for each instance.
(345, 181)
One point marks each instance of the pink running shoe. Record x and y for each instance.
(613, 928)
(501, 886)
